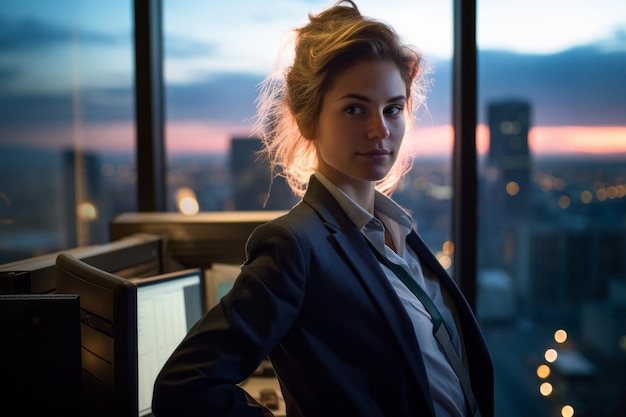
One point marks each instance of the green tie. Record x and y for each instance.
(441, 333)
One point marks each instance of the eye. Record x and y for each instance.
(394, 110)
(353, 110)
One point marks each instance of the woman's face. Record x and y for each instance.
(361, 123)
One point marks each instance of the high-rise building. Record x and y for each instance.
(252, 179)
(509, 159)
(568, 266)
(505, 186)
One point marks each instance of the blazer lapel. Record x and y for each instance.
(353, 248)
(431, 262)
(479, 361)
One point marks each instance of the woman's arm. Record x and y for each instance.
(231, 340)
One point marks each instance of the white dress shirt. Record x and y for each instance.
(447, 395)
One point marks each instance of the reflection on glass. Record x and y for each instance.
(552, 225)
(66, 123)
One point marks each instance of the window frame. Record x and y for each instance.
(150, 121)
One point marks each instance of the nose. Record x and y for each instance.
(377, 128)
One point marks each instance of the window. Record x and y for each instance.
(552, 176)
(552, 229)
(66, 124)
(216, 54)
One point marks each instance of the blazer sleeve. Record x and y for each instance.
(231, 340)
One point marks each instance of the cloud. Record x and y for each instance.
(580, 86)
(38, 34)
(96, 106)
(179, 47)
(221, 97)
(577, 87)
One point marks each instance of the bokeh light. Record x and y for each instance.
(560, 336)
(543, 371)
(567, 411)
(187, 202)
(545, 389)
(86, 211)
(551, 355)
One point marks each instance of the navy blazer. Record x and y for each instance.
(313, 297)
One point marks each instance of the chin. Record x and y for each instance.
(376, 176)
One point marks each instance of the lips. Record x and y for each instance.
(376, 155)
(376, 152)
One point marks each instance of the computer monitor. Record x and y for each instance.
(219, 280)
(108, 325)
(168, 306)
(129, 327)
(198, 240)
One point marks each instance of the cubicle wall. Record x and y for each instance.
(134, 255)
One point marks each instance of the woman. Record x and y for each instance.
(317, 294)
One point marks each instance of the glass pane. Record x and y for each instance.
(552, 244)
(217, 53)
(66, 123)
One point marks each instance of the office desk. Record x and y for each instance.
(255, 384)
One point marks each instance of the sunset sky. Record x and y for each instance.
(66, 74)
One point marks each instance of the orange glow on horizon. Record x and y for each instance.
(597, 140)
(206, 137)
(202, 137)
(583, 139)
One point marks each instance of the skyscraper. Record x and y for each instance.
(509, 160)
(252, 179)
(505, 185)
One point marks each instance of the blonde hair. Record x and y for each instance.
(290, 101)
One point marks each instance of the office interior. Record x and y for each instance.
(525, 203)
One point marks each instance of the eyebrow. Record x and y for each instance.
(363, 98)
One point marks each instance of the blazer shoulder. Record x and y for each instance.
(300, 220)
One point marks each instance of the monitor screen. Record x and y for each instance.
(219, 280)
(129, 327)
(167, 306)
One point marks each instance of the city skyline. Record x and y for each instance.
(575, 82)
(433, 141)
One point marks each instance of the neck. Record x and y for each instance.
(362, 194)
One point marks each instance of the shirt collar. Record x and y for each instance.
(397, 220)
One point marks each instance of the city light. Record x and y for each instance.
(448, 247)
(567, 411)
(510, 128)
(512, 188)
(420, 183)
(546, 184)
(543, 371)
(611, 192)
(622, 343)
(187, 202)
(564, 202)
(586, 197)
(444, 260)
(550, 355)
(545, 389)
(560, 336)
(86, 211)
